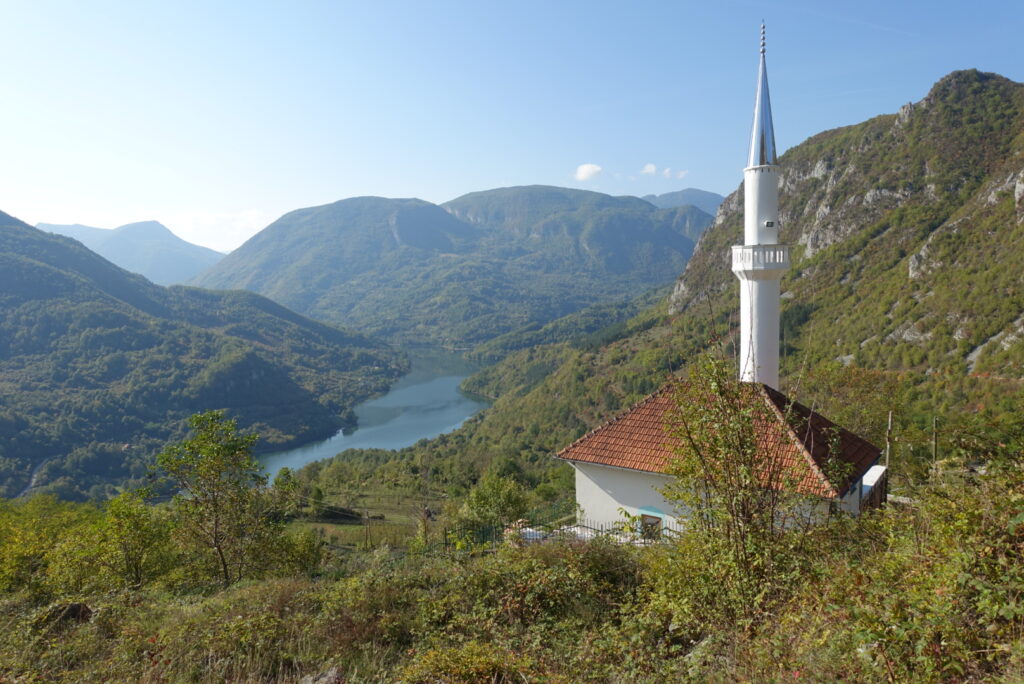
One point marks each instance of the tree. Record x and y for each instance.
(859, 399)
(286, 493)
(222, 506)
(739, 498)
(495, 500)
(134, 539)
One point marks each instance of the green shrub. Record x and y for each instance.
(467, 663)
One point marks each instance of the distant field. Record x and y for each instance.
(390, 519)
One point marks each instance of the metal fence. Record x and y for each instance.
(547, 524)
(638, 531)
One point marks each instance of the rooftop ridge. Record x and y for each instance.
(829, 424)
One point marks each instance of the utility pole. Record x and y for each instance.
(888, 441)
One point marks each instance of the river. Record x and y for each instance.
(422, 404)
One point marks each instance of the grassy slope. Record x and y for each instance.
(926, 594)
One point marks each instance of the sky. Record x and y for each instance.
(215, 118)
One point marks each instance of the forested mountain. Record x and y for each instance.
(98, 366)
(904, 293)
(702, 199)
(147, 247)
(907, 232)
(591, 324)
(464, 272)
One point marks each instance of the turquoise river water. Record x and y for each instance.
(423, 404)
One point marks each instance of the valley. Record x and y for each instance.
(412, 368)
(100, 367)
(917, 243)
(113, 344)
(424, 403)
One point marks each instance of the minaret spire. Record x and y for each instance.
(760, 262)
(762, 138)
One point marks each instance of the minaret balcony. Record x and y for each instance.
(760, 262)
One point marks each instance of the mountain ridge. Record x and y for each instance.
(704, 200)
(466, 271)
(145, 247)
(945, 176)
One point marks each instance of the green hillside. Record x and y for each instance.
(904, 293)
(928, 593)
(591, 324)
(907, 231)
(147, 248)
(459, 274)
(98, 367)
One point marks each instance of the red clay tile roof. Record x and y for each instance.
(637, 440)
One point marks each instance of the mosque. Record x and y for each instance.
(620, 466)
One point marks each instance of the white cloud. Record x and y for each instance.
(585, 172)
(682, 174)
(667, 173)
(649, 169)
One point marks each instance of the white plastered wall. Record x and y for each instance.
(851, 502)
(601, 491)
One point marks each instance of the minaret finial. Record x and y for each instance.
(762, 139)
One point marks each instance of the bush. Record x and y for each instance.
(469, 662)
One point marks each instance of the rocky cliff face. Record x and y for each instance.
(907, 232)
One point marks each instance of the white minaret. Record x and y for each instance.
(760, 262)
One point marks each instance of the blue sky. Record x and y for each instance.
(215, 117)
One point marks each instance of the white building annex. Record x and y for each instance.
(620, 466)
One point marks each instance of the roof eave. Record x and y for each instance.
(615, 467)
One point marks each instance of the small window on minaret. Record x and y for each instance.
(769, 224)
